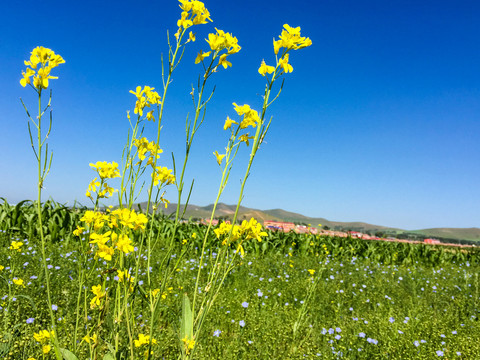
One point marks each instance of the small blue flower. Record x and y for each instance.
(362, 335)
(245, 304)
(241, 323)
(54, 307)
(30, 320)
(416, 343)
(217, 333)
(439, 353)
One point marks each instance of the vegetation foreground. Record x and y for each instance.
(283, 303)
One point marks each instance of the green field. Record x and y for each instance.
(365, 300)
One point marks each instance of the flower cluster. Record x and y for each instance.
(122, 220)
(189, 344)
(16, 246)
(99, 295)
(106, 170)
(246, 231)
(144, 146)
(45, 60)
(43, 337)
(289, 39)
(143, 340)
(250, 116)
(193, 13)
(218, 42)
(163, 175)
(145, 98)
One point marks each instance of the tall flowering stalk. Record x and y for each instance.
(37, 76)
(233, 235)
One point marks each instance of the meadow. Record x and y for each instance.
(301, 296)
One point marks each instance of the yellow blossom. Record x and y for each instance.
(18, 282)
(228, 123)
(105, 252)
(223, 61)
(189, 344)
(311, 271)
(47, 60)
(43, 336)
(124, 244)
(99, 294)
(245, 138)
(93, 338)
(264, 69)
(219, 157)
(163, 175)
(106, 170)
(201, 55)
(143, 340)
(285, 65)
(46, 348)
(78, 231)
(16, 246)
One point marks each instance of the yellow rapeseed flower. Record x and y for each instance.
(18, 282)
(201, 55)
(106, 170)
(47, 60)
(46, 349)
(16, 246)
(228, 123)
(264, 69)
(219, 157)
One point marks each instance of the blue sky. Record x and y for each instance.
(378, 122)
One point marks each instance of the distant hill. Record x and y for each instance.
(472, 234)
(226, 212)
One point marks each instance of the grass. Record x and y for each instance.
(360, 308)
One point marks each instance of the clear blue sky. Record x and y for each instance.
(379, 121)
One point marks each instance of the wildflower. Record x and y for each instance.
(105, 252)
(89, 339)
(439, 353)
(163, 175)
(201, 55)
(43, 336)
(219, 157)
(142, 340)
(264, 69)
(283, 62)
(217, 333)
(2, 267)
(16, 246)
(54, 307)
(245, 138)
(245, 304)
(290, 39)
(79, 230)
(99, 294)
(18, 282)
(47, 60)
(241, 323)
(228, 123)
(188, 343)
(46, 348)
(311, 271)
(124, 244)
(106, 170)
(30, 320)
